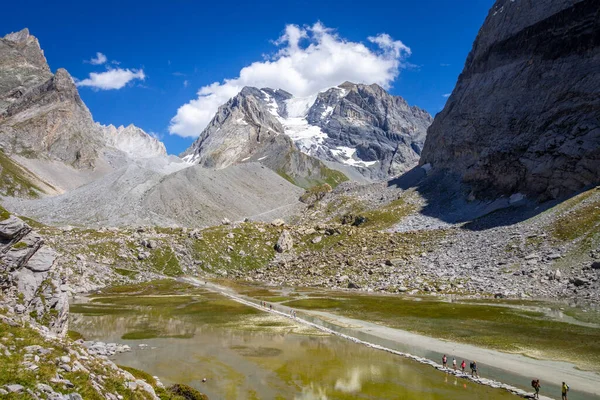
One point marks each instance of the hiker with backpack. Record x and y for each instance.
(536, 386)
(474, 369)
(463, 365)
(444, 362)
(565, 390)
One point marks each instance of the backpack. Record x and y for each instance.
(472, 365)
(533, 383)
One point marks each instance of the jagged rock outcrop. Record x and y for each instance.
(525, 113)
(22, 66)
(29, 275)
(133, 141)
(248, 129)
(368, 128)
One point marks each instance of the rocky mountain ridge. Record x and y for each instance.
(354, 126)
(524, 116)
(133, 141)
(43, 117)
(247, 129)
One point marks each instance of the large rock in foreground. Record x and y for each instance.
(525, 113)
(30, 278)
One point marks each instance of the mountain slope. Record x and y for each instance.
(525, 113)
(133, 141)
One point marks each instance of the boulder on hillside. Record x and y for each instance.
(285, 242)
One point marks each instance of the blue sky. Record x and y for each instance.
(182, 46)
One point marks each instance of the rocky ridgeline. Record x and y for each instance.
(245, 130)
(382, 128)
(43, 117)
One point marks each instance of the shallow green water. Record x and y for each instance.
(248, 354)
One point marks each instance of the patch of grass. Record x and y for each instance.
(126, 272)
(4, 214)
(332, 176)
(12, 370)
(98, 309)
(285, 176)
(246, 247)
(185, 392)
(20, 245)
(16, 181)
(139, 374)
(145, 301)
(32, 222)
(388, 215)
(162, 287)
(578, 223)
(141, 335)
(277, 299)
(74, 335)
(165, 261)
(496, 327)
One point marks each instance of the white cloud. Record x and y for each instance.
(186, 83)
(309, 60)
(446, 95)
(112, 79)
(98, 60)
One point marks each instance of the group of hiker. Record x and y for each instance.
(463, 365)
(473, 366)
(537, 386)
(265, 305)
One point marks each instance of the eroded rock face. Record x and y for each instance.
(386, 133)
(22, 66)
(29, 275)
(50, 120)
(525, 113)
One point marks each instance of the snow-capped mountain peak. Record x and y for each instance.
(353, 125)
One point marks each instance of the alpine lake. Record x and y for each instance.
(229, 350)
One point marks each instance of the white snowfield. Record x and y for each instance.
(310, 139)
(347, 156)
